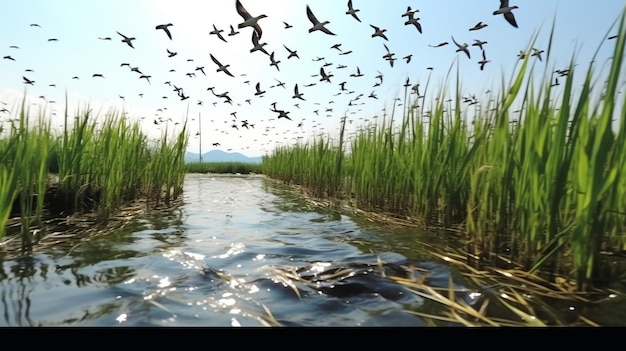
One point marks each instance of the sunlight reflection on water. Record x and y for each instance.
(239, 252)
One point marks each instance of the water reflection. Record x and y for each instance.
(237, 252)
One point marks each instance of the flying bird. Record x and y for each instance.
(479, 43)
(232, 31)
(357, 74)
(97, 75)
(439, 45)
(221, 67)
(537, 52)
(317, 25)
(201, 69)
(483, 62)
(287, 25)
(171, 53)
(325, 77)
(127, 40)
(414, 21)
(378, 32)
(28, 81)
(280, 84)
(273, 61)
(281, 113)
(258, 89)
(478, 26)
(352, 11)
(506, 10)
(297, 94)
(256, 45)
(410, 12)
(292, 53)
(249, 21)
(462, 48)
(218, 32)
(165, 28)
(389, 55)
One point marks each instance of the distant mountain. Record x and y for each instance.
(220, 156)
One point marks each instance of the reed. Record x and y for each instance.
(101, 166)
(224, 167)
(535, 175)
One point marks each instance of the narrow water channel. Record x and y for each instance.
(229, 256)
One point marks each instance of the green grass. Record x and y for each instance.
(224, 167)
(541, 186)
(98, 169)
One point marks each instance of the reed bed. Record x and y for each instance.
(93, 165)
(224, 167)
(540, 185)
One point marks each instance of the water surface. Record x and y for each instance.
(239, 251)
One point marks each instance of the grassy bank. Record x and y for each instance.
(89, 166)
(223, 167)
(540, 185)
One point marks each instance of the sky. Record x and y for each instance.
(80, 48)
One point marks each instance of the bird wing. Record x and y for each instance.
(215, 60)
(242, 11)
(311, 16)
(510, 18)
(457, 44)
(255, 38)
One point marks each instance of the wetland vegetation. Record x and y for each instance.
(531, 178)
(223, 167)
(95, 165)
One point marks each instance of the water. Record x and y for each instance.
(240, 251)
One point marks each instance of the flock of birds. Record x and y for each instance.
(326, 75)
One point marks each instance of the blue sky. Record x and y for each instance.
(581, 27)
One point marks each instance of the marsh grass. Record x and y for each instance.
(540, 185)
(101, 164)
(223, 167)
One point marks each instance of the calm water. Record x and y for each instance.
(223, 259)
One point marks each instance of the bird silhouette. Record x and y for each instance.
(506, 11)
(165, 28)
(221, 68)
(352, 11)
(317, 25)
(127, 40)
(248, 20)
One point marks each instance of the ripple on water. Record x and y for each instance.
(235, 248)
